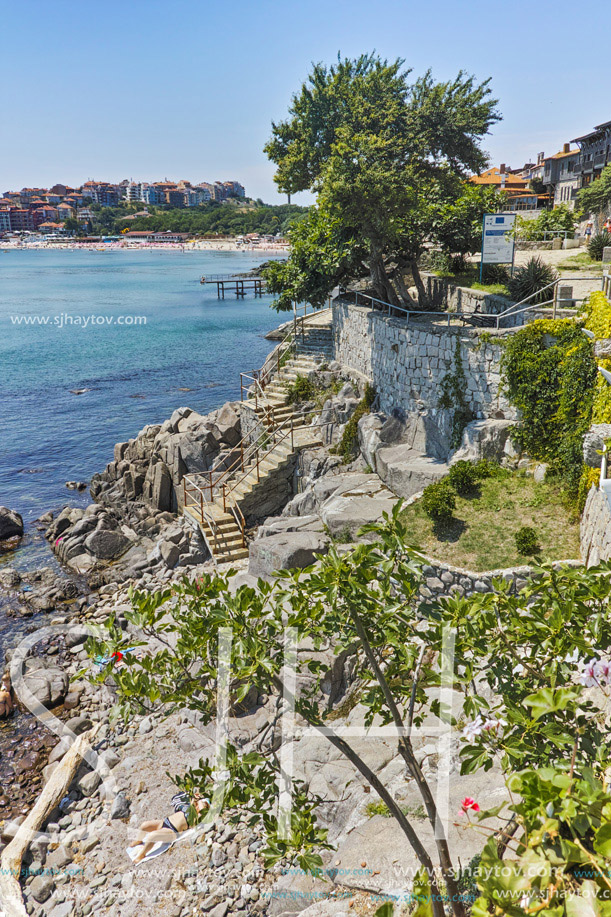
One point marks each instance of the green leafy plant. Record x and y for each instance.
(302, 389)
(439, 501)
(519, 666)
(529, 282)
(597, 243)
(558, 857)
(486, 468)
(463, 477)
(549, 374)
(453, 387)
(347, 445)
(527, 541)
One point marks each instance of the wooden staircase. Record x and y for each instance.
(212, 499)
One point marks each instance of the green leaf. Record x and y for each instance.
(550, 700)
(385, 910)
(422, 894)
(602, 840)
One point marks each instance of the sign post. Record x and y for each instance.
(498, 240)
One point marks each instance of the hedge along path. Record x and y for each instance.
(11, 899)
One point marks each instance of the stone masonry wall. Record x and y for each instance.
(406, 361)
(595, 528)
(444, 579)
(462, 299)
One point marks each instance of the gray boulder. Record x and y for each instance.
(285, 551)
(348, 509)
(11, 524)
(407, 472)
(161, 487)
(228, 425)
(170, 553)
(106, 544)
(48, 683)
(483, 439)
(593, 443)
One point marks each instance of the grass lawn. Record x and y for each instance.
(481, 535)
(580, 262)
(470, 278)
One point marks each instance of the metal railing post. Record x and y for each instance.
(257, 460)
(224, 497)
(242, 454)
(201, 504)
(184, 491)
(292, 442)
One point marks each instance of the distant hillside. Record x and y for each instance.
(231, 218)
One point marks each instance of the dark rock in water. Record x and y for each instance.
(11, 524)
(76, 485)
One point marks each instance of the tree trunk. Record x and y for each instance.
(406, 751)
(379, 277)
(422, 297)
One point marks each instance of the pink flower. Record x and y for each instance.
(469, 803)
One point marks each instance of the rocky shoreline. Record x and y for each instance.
(134, 534)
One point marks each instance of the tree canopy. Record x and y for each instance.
(385, 157)
(596, 197)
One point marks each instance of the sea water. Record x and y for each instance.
(156, 339)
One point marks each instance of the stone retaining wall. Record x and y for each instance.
(444, 579)
(406, 360)
(462, 299)
(595, 528)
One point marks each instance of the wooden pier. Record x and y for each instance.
(241, 286)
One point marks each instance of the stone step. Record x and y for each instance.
(232, 556)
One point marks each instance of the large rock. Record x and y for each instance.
(48, 683)
(407, 472)
(11, 524)
(593, 442)
(161, 488)
(106, 544)
(285, 551)
(228, 424)
(348, 509)
(483, 439)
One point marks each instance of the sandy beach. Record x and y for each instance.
(211, 245)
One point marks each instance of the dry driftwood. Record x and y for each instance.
(11, 899)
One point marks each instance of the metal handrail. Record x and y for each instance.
(389, 306)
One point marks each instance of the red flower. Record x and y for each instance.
(469, 803)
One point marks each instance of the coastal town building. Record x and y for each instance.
(595, 153)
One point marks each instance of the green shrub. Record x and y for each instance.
(463, 477)
(597, 243)
(495, 273)
(486, 468)
(550, 376)
(527, 541)
(348, 443)
(530, 280)
(439, 501)
(302, 389)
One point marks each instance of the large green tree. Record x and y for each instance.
(383, 156)
(596, 197)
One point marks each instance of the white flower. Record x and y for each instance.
(494, 725)
(587, 676)
(474, 728)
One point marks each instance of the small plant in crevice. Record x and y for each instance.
(302, 389)
(453, 387)
(527, 541)
(439, 501)
(347, 445)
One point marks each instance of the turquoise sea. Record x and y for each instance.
(129, 374)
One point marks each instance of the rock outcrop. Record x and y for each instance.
(150, 468)
(11, 529)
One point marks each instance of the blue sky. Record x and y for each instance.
(146, 89)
